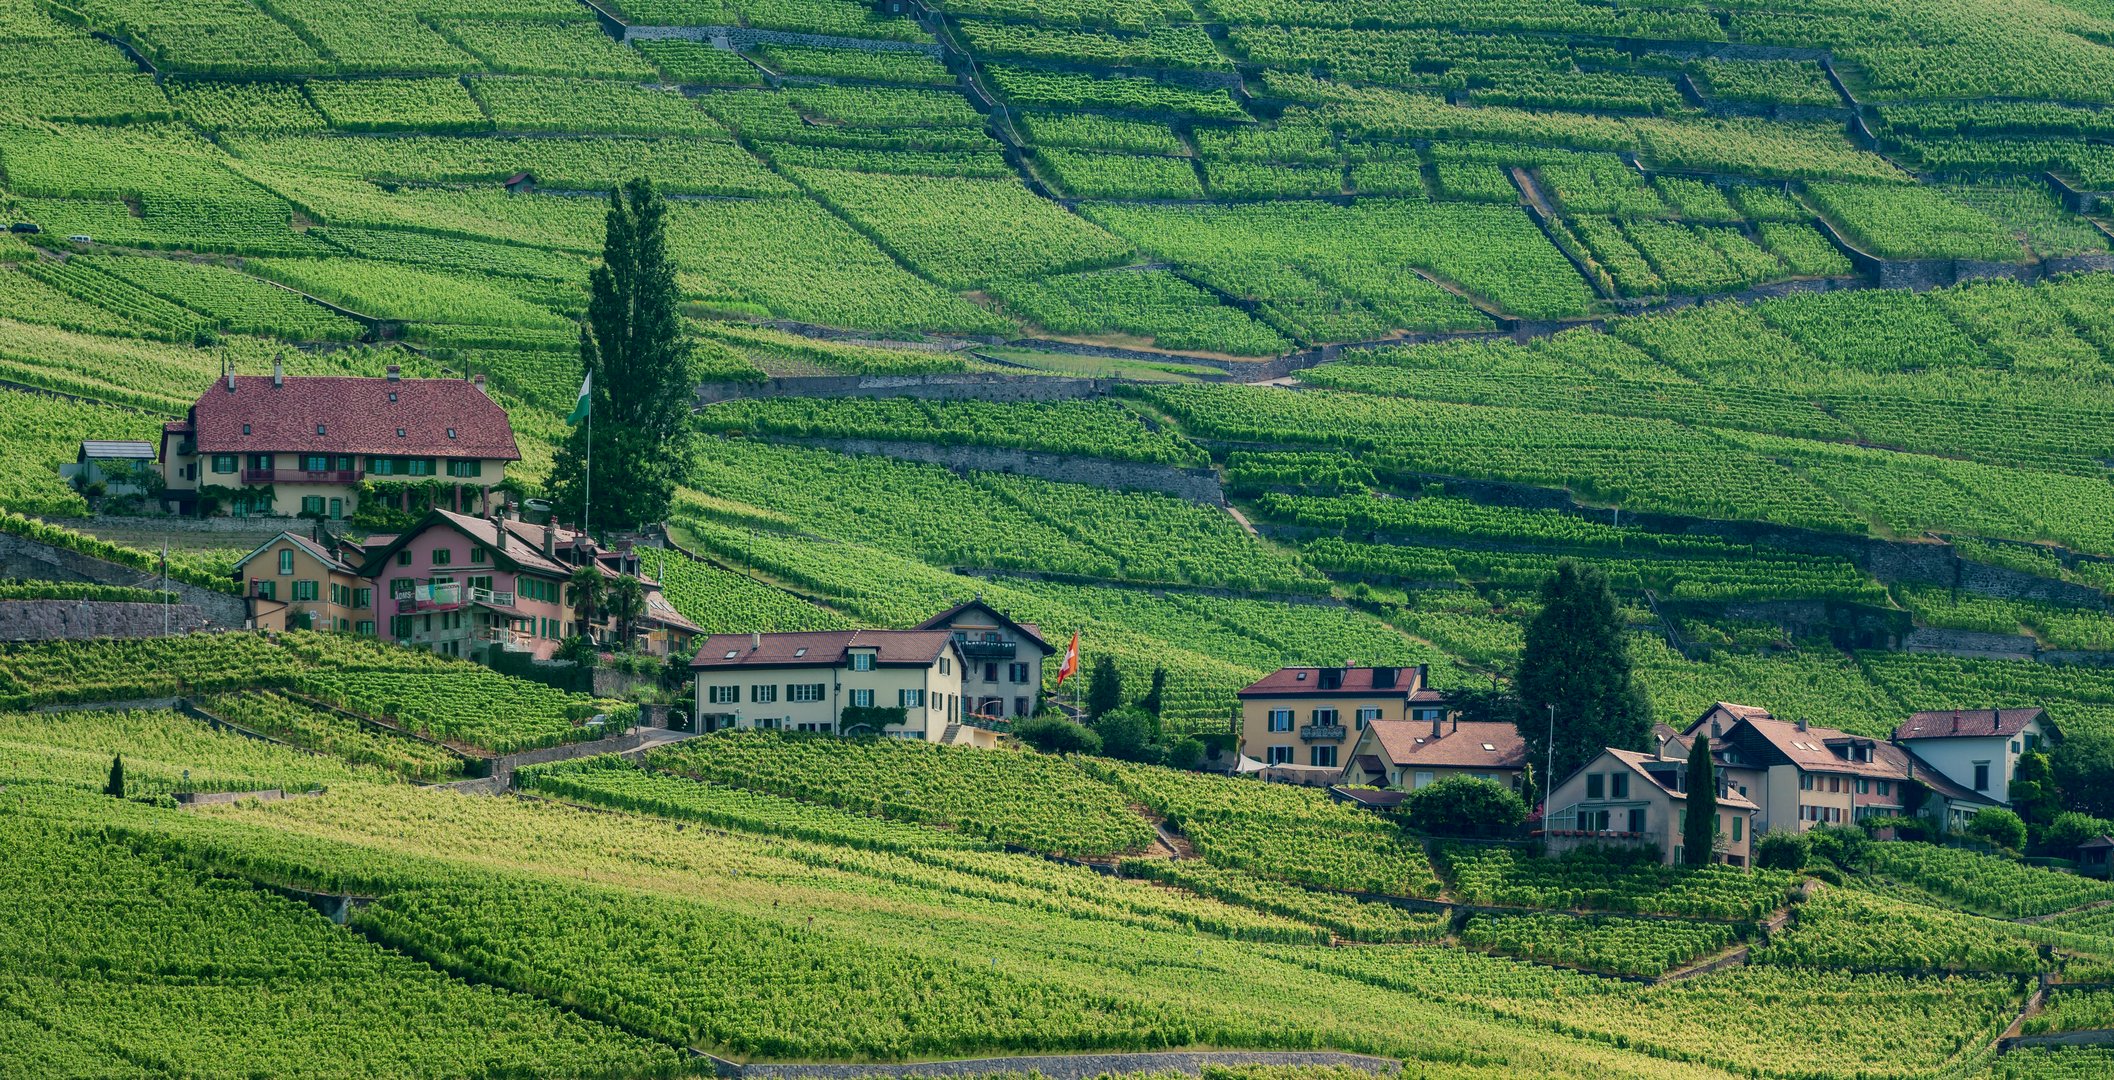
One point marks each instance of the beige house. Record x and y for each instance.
(309, 446)
(1409, 754)
(1002, 673)
(1311, 717)
(293, 582)
(899, 683)
(1631, 799)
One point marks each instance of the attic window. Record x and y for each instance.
(319, 429)
(1487, 746)
(399, 433)
(245, 429)
(451, 433)
(1301, 677)
(392, 395)
(730, 654)
(798, 653)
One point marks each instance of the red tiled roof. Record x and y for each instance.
(1428, 697)
(1810, 750)
(1967, 723)
(356, 415)
(1302, 681)
(329, 559)
(821, 648)
(1028, 630)
(1409, 742)
(1637, 762)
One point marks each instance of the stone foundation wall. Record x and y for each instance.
(21, 557)
(77, 620)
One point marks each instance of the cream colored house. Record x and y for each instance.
(293, 582)
(1410, 754)
(900, 683)
(1311, 717)
(1626, 798)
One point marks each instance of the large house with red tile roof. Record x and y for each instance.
(900, 683)
(304, 445)
(1309, 718)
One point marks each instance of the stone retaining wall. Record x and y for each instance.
(1971, 643)
(742, 37)
(78, 620)
(1195, 484)
(503, 766)
(1067, 1066)
(963, 386)
(22, 557)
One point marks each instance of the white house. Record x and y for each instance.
(1627, 798)
(901, 683)
(1977, 749)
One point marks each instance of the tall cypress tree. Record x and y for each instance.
(115, 786)
(1577, 658)
(637, 361)
(1700, 831)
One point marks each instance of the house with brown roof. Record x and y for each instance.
(1978, 749)
(904, 684)
(307, 582)
(1409, 754)
(306, 445)
(1311, 716)
(1802, 776)
(1627, 798)
(1002, 674)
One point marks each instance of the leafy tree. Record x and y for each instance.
(1151, 702)
(2032, 792)
(1577, 658)
(1781, 849)
(2083, 764)
(588, 589)
(869, 719)
(626, 600)
(1056, 735)
(1186, 753)
(1464, 806)
(1127, 734)
(1699, 831)
(2070, 829)
(1104, 688)
(639, 372)
(1998, 826)
(115, 788)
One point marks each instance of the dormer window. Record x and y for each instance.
(399, 433)
(392, 395)
(451, 433)
(245, 429)
(319, 429)
(800, 652)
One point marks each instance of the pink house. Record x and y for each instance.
(455, 584)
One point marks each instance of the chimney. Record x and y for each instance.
(477, 381)
(1437, 720)
(1717, 730)
(1956, 721)
(1801, 723)
(499, 533)
(395, 372)
(550, 538)
(279, 371)
(755, 640)
(1423, 677)
(1456, 722)
(231, 378)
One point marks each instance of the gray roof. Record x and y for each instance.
(116, 448)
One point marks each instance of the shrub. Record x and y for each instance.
(1781, 850)
(1998, 826)
(1056, 735)
(2071, 828)
(1463, 806)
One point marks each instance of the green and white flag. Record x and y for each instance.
(580, 407)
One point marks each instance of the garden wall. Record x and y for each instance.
(1068, 1066)
(77, 620)
(960, 386)
(22, 557)
(1196, 485)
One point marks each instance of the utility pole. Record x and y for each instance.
(1548, 784)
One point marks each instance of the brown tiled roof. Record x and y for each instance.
(1460, 746)
(821, 648)
(1967, 723)
(1637, 763)
(659, 610)
(1028, 630)
(1810, 750)
(356, 415)
(329, 560)
(1304, 681)
(1428, 696)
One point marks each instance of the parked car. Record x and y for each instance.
(25, 227)
(81, 238)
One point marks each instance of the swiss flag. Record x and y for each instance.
(1071, 660)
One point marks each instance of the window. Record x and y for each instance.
(1886, 787)
(363, 598)
(1636, 819)
(1020, 706)
(1805, 782)
(443, 556)
(403, 558)
(315, 462)
(1280, 755)
(910, 699)
(946, 666)
(1369, 713)
(260, 461)
(1739, 828)
(991, 672)
(1017, 673)
(2014, 746)
(312, 504)
(245, 429)
(724, 695)
(402, 588)
(337, 509)
(418, 466)
(477, 553)
(304, 590)
(223, 463)
(1421, 779)
(365, 628)
(1981, 776)
(1280, 719)
(472, 467)
(862, 699)
(1323, 757)
(400, 627)
(451, 433)
(1596, 786)
(936, 701)
(763, 693)
(319, 430)
(286, 560)
(268, 590)
(1325, 718)
(863, 661)
(804, 692)
(1619, 785)
(1864, 787)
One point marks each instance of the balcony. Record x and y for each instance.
(492, 597)
(988, 650)
(1311, 732)
(301, 476)
(430, 598)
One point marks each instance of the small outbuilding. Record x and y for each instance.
(521, 183)
(122, 466)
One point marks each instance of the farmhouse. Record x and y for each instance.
(1977, 749)
(901, 683)
(1411, 754)
(1625, 797)
(296, 582)
(311, 445)
(1313, 716)
(1002, 659)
